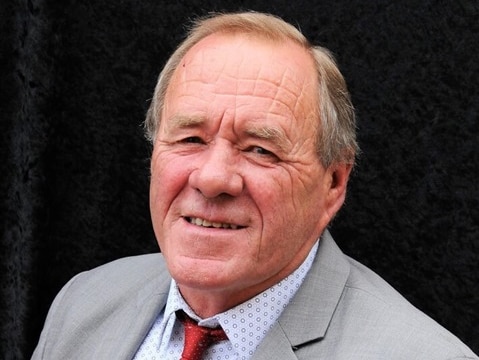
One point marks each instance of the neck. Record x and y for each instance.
(208, 303)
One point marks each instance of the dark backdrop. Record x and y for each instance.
(76, 79)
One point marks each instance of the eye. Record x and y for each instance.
(193, 140)
(262, 152)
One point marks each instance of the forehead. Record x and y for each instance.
(278, 75)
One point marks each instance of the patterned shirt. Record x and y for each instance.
(245, 325)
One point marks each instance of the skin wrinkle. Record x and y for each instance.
(295, 96)
(256, 92)
(283, 92)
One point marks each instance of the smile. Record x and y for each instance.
(209, 224)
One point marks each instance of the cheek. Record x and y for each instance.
(285, 195)
(168, 178)
(274, 198)
(290, 207)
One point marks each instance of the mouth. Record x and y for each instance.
(210, 224)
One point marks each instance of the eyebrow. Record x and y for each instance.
(183, 122)
(273, 134)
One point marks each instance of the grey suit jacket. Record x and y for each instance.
(342, 311)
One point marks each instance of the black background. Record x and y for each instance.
(76, 79)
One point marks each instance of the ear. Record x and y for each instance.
(337, 176)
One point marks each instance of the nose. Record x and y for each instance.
(217, 172)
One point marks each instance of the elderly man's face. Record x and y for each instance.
(238, 193)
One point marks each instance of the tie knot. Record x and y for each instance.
(198, 338)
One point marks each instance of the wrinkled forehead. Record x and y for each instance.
(247, 65)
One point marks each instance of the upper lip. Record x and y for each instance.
(211, 223)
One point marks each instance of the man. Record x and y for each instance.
(254, 141)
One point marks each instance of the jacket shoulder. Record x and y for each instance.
(372, 312)
(129, 271)
(118, 300)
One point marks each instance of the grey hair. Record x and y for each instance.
(336, 130)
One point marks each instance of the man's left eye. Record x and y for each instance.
(261, 151)
(193, 140)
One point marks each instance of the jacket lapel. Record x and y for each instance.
(309, 314)
(275, 345)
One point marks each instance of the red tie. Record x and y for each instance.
(198, 338)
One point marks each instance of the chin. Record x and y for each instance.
(202, 282)
(194, 271)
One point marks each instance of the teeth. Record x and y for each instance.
(206, 223)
